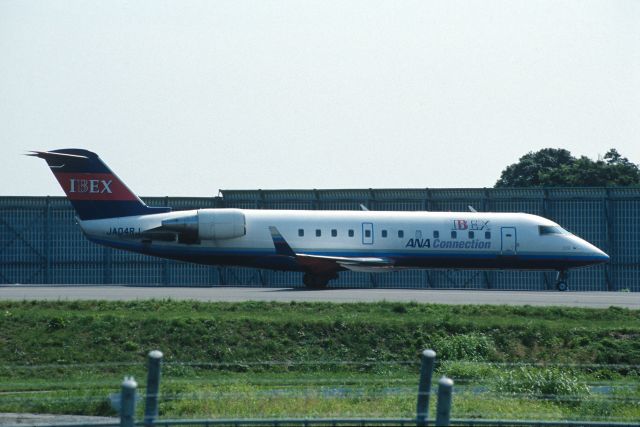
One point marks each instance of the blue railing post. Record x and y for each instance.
(424, 387)
(445, 394)
(153, 388)
(128, 402)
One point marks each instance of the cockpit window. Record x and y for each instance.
(550, 229)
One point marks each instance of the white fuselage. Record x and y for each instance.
(408, 239)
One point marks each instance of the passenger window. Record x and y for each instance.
(300, 232)
(384, 233)
(487, 234)
(367, 233)
(318, 233)
(471, 234)
(350, 233)
(454, 235)
(436, 234)
(334, 233)
(401, 233)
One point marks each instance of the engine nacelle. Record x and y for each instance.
(209, 224)
(214, 224)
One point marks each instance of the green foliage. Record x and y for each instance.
(473, 347)
(551, 167)
(463, 370)
(526, 173)
(400, 308)
(56, 323)
(313, 359)
(98, 331)
(540, 383)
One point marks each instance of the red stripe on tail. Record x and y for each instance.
(94, 186)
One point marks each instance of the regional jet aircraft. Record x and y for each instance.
(320, 244)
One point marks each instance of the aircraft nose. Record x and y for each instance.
(602, 256)
(594, 254)
(598, 255)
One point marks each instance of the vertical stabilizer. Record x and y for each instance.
(92, 188)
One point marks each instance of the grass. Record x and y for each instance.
(259, 359)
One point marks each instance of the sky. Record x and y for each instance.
(184, 97)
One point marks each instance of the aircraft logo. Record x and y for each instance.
(89, 186)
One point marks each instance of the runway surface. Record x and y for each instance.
(127, 293)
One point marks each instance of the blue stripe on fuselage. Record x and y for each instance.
(267, 258)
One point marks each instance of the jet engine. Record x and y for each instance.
(208, 224)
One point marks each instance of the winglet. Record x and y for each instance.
(281, 245)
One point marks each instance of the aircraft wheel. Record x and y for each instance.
(562, 286)
(315, 282)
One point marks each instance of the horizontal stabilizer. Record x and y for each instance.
(52, 155)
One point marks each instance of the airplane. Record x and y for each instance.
(320, 244)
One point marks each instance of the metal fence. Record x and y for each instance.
(475, 400)
(41, 244)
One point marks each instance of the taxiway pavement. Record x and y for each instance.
(235, 294)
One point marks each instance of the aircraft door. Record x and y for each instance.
(509, 241)
(367, 233)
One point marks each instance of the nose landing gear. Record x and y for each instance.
(561, 281)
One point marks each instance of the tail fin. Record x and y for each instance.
(94, 191)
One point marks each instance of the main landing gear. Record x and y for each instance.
(561, 281)
(313, 281)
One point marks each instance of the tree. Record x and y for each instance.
(532, 166)
(552, 167)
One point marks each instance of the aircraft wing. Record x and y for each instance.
(324, 264)
(332, 263)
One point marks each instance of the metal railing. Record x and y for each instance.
(126, 404)
(127, 400)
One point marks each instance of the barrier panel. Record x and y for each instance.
(41, 244)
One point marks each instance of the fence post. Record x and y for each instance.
(424, 387)
(153, 388)
(47, 242)
(445, 393)
(128, 402)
